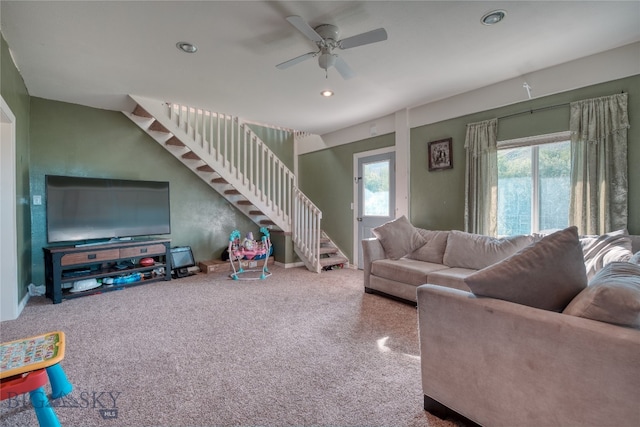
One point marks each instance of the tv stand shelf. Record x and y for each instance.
(67, 264)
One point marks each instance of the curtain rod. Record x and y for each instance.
(534, 110)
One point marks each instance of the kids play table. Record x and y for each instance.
(22, 366)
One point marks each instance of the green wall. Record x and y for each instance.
(437, 198)
(15, 94)
(278, 141)
(326, 177)
(69, 139)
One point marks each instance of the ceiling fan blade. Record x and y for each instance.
(372, 36)
(304, 28)
(343, 68)
(296, 60)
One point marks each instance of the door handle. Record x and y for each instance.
(359, 219)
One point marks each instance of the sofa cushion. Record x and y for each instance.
(404, 270)
(450, 277)
(476, 251)
(613, 296)
(547, 274)
(398, 237)
(635, 259)
(433, 249)
(601, 250)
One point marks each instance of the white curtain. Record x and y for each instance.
(599, 185)
(481, 178)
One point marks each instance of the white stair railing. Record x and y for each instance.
(242, 154)
(306, 230)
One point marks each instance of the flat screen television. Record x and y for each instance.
(90, 209)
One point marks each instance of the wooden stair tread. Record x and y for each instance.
(255, 212)
(190, 155)
(157, 126)
(205, 168)
(219, 181)
(244, 202)
(141, 112)
(232, 191)
(175, 142)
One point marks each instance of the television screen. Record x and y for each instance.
(80, 208)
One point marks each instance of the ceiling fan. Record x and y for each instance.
(325, 36)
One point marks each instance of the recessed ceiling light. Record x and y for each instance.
(493, 17)
(326, 93)
(186, 47)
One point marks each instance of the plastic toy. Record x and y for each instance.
(249, 249)
(25, 367)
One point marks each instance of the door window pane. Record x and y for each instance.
(376, 188)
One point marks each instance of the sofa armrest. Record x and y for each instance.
(372, 250)
(500, 363)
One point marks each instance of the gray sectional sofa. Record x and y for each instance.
(525, 331)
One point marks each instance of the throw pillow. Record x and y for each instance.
(433, 250)
(613, 296)
(547, 274)
(398, 237)
(601, 250)
(635, 259)
(476, 251)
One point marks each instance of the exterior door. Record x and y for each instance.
(376, 196)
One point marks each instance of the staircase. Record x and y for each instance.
(234, 161)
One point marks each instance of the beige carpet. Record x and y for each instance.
(295, 349)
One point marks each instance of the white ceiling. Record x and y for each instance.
(94, 53)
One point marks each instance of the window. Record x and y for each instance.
(376, 188)
(534, 184)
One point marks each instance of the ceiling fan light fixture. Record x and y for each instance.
(326, 93)
(493, 17)
(187, 47)
(327, 60)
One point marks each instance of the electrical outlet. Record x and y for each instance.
(37, 200)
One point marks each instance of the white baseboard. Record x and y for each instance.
(289, 264)
(23, 304)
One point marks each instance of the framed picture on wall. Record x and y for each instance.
(440, 155)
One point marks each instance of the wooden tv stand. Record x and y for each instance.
(67, 264)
